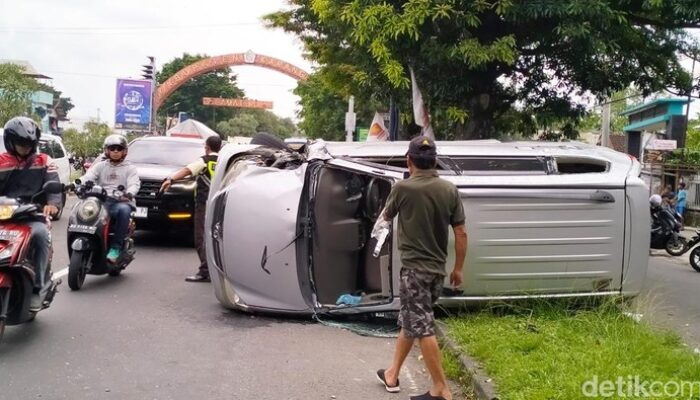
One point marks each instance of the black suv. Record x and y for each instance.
(156, 158)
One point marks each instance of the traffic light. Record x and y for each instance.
(149, 70)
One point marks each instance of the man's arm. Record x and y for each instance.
(456, 277)
(179, 174)
(93, 173)
(133, 183)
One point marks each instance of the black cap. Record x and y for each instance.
(422, 146)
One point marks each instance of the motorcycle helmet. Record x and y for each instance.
(115, 140)
(655, 200)
(21, 131)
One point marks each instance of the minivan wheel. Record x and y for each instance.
(695, 259)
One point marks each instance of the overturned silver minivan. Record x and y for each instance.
(289, 231)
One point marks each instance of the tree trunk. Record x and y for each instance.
(480, 123)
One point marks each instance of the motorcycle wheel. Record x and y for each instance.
(677, 247)
(695, 259)
(4, 293)
(77, 270)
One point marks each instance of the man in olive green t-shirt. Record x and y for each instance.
(426, 207)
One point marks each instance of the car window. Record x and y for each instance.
(46, 148)
(164, 152)
(57, 150)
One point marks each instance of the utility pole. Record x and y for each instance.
(350, 119)
(149, 73)
(605, 120)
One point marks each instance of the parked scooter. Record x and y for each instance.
(666, 229)
(89, 236)
(16, 272)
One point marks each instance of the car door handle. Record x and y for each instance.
(602, 196)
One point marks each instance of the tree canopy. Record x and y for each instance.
(15, 92)
(249, 122)
(88, 142)
(476, 60)
(217, 83)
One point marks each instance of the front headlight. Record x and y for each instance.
(6, 212)
(88, 211)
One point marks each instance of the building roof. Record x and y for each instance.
(645, 106)
(27, 67)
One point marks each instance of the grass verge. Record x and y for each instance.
(565, 350)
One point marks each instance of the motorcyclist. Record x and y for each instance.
(112, 172)
(23, 173)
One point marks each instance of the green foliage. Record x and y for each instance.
(484, 56)
(217, 83)
(692, 138)
(323, 109)
(88, 142)
(15, 92)
(249, 122)
(549, 350)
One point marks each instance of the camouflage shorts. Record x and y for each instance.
(418, 292)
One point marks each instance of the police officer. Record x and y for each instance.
(203, 170)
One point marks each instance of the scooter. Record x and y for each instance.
(665, 232)
(89, 236)
(16, 272)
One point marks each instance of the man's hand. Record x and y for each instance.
(126, 198)
(50, 210)
(456, 278)
(166, 184)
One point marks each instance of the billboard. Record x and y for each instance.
(133, 104)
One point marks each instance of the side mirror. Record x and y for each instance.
(53, 187)
(121, 188)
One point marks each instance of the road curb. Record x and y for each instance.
(482, 385)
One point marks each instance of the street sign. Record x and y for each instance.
(133, 104)
(236, 103)
(662, 145)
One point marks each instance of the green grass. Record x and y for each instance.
(548, 350)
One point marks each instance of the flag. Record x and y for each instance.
(420, 112)
(377, 130)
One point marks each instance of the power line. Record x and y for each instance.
(122, 29)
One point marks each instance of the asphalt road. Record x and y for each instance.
(149, 335)
(670, 298)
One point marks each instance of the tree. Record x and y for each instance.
(15, 92)
(249, 122)
(475, 59)
(217, 83)
(88, 142)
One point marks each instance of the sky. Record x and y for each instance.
(85, 45)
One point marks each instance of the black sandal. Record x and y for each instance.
(382, 379)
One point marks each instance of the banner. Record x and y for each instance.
(420, 111)
(377, 130)
(133, 104)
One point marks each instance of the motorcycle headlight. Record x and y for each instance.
(6, 212)
(88, 211)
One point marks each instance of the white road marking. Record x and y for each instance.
(61, 273)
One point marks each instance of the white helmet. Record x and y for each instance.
(655, 200)
(115, 140)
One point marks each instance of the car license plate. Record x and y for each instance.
(141, 212)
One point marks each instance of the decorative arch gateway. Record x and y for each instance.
(209, 64)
